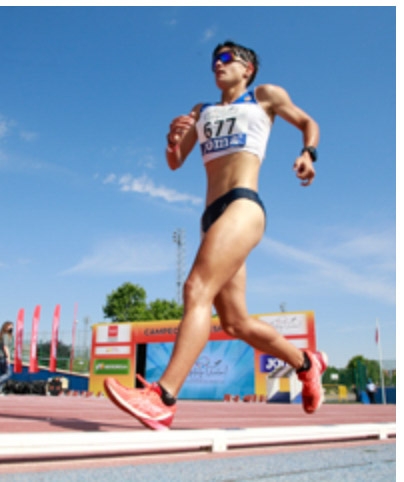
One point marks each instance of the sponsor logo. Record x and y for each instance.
(207, 370)
(270, 364)
(112, 367)
(112, 331)
(221, 143)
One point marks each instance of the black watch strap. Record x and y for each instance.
(312, 151)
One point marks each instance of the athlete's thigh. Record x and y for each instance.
(228, 242)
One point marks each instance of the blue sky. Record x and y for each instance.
(88, 202)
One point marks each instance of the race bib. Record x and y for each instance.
(222, 127)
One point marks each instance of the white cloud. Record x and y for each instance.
(354, 266)
(24, 261)
(360, 245)
(3, 157)
(145, 185)
(147, 161)
(208, 34)
(4, 127)
(28, 136)
(172, 22)
(109, 179)
(124, 256)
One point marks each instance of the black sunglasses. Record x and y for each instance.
(226, 57)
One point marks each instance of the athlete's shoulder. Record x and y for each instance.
(199, 108)
(272, 98)
(270, 92)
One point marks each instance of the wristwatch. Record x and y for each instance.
(312, 151)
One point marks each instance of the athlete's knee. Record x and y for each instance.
(235, 326)
(195, 291)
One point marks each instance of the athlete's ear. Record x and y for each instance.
(249, 70)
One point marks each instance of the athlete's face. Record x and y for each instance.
(226, 57)
(229, 67)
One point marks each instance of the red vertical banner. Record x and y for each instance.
(54, 342)
(33, 359)
(73, 337)
(18, 340)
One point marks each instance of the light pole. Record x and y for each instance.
(179, 240)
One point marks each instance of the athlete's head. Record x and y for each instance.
(245, 54)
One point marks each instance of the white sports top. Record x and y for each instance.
(242, 125)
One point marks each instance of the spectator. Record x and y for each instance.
(6, 334)
(371, 391)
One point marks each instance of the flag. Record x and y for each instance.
(33, 360)
(54, 344)
(377, 335)
(18, 340)
(73, 337)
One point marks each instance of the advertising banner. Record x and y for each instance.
(223, 367)
(33, 360)
(75, 321)
(54, 342)
(226, 365)
(113, 353)
(273, 377)
(19, 329)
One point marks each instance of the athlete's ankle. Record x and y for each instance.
(166, 396)
(306, 364)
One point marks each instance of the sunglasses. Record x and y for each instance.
(226, 57)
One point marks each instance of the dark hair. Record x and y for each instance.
(6, 327)
(243, 52)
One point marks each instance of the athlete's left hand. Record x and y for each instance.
(304, 169)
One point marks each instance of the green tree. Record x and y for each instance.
(128, 303)
(328, 375)
(358, 370)
(165, 310)
(363, 369)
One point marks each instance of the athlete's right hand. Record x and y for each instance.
(179, 127)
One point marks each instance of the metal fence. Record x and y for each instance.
(71, 354)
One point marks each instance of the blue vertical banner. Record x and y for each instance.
(223, 367)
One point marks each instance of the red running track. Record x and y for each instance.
(28, 414)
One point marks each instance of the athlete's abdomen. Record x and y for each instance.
(240, 169)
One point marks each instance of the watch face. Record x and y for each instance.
(312, 151)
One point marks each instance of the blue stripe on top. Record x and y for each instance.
(247, 97)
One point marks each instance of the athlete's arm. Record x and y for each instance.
(181, 138)
(276, 101)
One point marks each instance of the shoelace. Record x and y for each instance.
(141, 379)
(149, 387)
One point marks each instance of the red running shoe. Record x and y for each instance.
(145, 404)
(313, 392)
